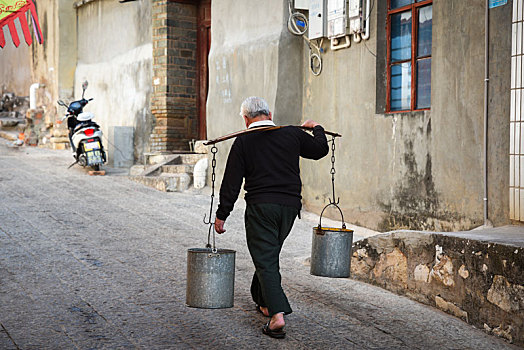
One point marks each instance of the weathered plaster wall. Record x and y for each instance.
(45, 59)
(251, 55)
(499, 111)
(51, 64)
(115, 56)
(67, 49)
(420, 170)
(20, 67)
(15, 67)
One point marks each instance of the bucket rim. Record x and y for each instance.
(210, 251)
(333, 229)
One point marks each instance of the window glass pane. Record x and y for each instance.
(425, 19)
(424, 83)
(401, 36)
(400, 87)
(395, 4)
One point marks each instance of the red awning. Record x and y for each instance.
(13, 9)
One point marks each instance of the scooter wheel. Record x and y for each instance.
(96, 167)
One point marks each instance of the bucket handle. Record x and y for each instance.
(341, 214)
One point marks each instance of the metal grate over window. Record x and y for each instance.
(516, 145)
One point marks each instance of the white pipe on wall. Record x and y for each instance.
(366, 35)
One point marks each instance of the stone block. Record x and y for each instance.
(450, 308)
(392, 267)
(59, 139)
(60, 146)
(507, 296)
(60, 131)
(121, 146)
(200, 147)
(136, 170)
(443, 272)
(421, 273)
(199, 173)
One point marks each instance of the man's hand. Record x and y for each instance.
(310, 123)
(219, 226)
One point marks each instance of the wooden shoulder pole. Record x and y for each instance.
(267, 128)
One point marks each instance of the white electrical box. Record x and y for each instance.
(354, 8)
(317, 19)
(301, 5)
(355, 25)
(336, 18)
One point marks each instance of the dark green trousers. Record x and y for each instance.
(267, 226)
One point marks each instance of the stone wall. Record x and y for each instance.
(481, 283)
(174, 100)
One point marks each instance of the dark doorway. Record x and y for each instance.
(203, 47)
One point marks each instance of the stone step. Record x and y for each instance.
(178, 168)
(165, 182)
(8, 135)
(191, 158)
(171, 172)
(180, 158)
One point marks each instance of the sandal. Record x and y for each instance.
(278, 333)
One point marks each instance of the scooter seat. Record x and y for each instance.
(85, 124)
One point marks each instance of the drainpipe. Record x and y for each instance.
(32, 94)
(366, 36)
(486, 85)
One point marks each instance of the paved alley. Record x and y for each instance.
(99, 262)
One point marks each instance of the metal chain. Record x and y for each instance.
(211, 224)
(334, 201)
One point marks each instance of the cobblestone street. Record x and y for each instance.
(99, 262)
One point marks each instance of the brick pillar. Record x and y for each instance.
(174, 100)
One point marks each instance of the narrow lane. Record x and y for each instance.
(100, 262)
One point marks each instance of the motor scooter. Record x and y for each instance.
(85, 136)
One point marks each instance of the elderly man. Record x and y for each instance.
(269, 163)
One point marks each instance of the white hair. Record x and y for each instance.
(254, 106)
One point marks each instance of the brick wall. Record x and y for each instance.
(174, 100)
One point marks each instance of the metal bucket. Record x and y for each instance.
(331, 250)
(210, 278)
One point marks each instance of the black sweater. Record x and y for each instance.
(269, 161)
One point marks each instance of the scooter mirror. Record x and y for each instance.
(84, 87)
(61, 103)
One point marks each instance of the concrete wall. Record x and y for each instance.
(420, 170)
(45, 60)
(51, 64)
(15, 67)
(251, 55)
(115, 56)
